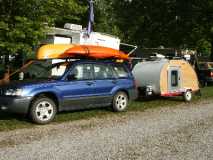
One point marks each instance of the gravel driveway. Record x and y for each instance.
(167, 133)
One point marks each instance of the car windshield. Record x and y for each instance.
(40, 70)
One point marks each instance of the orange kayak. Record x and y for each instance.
(97, 52)
(80, 51)
(51, 51)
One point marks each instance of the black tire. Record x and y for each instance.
(187, 96)
(120, 101)
(43, 110)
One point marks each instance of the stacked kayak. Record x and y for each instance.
(54, 51)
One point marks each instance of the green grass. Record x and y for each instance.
(11, 121)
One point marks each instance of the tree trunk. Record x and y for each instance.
(6, 60)
(211, 56)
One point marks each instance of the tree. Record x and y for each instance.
(23, 23)
(21, 27)
(66, 11)
(105, 18)
(171, 23)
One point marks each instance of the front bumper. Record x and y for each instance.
(15, 104)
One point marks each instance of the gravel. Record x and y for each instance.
(166, 133)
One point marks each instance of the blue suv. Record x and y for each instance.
(42, 89)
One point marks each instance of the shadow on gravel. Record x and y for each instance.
(159, 98)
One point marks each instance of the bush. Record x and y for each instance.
(204, 47)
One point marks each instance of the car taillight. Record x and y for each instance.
(211, 74)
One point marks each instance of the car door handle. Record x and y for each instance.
(114, 81)
(89, 83)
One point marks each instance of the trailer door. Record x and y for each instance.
(174, 79)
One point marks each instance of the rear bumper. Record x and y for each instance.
(209, 79)
(15, 104)
(179, 93)
(206, 79)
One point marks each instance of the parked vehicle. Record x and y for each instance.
(44, 89)
(205, 73)
(166, 78)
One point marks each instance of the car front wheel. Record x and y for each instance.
(42, 110)
(120, 101)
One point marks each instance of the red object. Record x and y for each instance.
(171, 94)
(97, 52)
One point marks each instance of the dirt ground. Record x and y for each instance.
(166, 133)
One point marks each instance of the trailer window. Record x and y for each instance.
(174, 78)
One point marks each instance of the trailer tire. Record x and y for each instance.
(187, 96)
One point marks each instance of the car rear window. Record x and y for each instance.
(103, 72)
(82, 72)
(120, 71)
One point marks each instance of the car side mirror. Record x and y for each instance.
(71, 77)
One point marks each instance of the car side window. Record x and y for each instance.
(120, 71)
(81, 72)
(103, 72)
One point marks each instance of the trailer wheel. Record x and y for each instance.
(187, 96)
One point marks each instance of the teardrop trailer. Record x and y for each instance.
(166, 78)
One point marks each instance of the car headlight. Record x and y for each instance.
(13, 92)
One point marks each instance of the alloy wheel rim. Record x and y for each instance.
(44, 111)
(121, 102)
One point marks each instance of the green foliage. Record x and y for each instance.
(179, 24)
(23, 23)
(105, 18)
(22, 36)
(170, 23)
(204, 47)
(20, 29)
(65, 11)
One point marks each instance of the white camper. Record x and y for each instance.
(74, 34)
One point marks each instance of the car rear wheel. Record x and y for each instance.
(187, 96)
(120, 101)
(42, 110)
